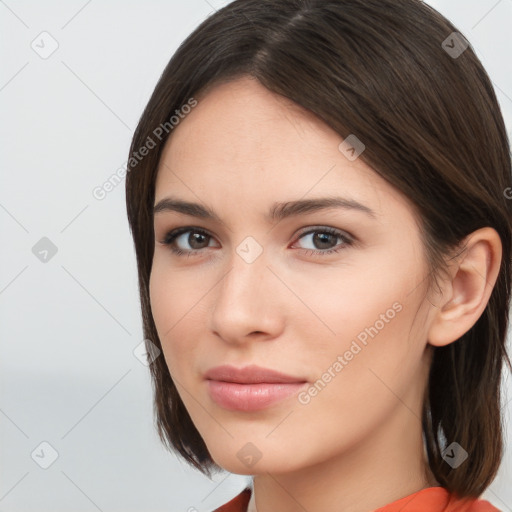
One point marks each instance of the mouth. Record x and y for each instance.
(250, 388)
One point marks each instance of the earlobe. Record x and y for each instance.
(466, 292)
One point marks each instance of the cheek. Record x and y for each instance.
(172, 295)
(359, 372)
(367, 336)
(172, 304)
(365, 316)
(355, 300)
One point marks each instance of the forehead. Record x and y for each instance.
(244, 143)
(241, 118)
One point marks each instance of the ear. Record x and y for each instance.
(466, 292)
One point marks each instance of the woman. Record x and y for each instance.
(317, 192)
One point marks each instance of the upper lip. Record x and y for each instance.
(249, 375)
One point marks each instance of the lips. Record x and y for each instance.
(252, 374)
(251, 388)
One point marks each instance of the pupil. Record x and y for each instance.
(322, 238)
(193, 238)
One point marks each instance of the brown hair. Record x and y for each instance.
(432, 128)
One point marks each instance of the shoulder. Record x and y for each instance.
(240, 501)
(431, 499)
(438, 499)
(480, 506)
(469, 505)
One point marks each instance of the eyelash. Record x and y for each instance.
(171, 236)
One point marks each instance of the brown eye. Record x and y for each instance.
(178, 240)
(324, 240)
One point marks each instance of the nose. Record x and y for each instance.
(245, 302)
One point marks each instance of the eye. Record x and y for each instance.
(195, 237)
(325, 239)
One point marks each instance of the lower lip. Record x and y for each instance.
(251, 397)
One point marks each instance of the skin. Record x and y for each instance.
(241, 149)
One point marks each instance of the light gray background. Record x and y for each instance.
(68, 327)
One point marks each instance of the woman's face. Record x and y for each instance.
(333, 297)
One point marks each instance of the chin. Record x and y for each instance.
(248, 460)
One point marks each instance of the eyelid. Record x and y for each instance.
(327, 229)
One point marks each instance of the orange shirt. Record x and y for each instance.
(432, 499)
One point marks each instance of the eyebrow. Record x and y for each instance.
(277, 212)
